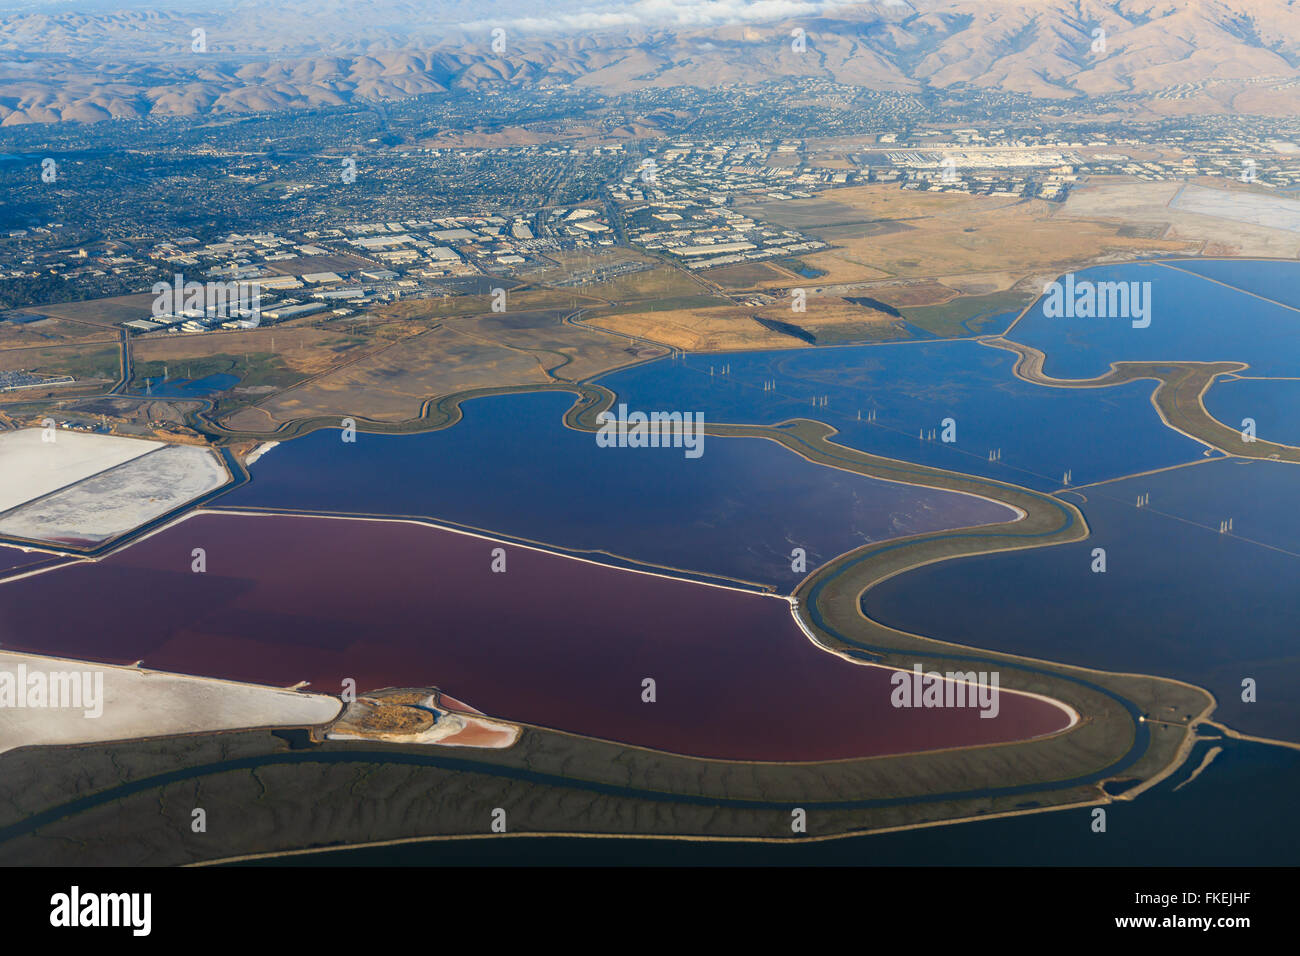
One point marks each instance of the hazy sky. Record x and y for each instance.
(548, 14)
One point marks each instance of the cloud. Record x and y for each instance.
(681, 13)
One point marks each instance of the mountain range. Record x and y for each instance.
(1157, 56)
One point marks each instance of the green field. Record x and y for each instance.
(946, 320)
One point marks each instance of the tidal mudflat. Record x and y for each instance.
(552, 640)
(1239, 807)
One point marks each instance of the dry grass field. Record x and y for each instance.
(954, 236)
(752, 275)
(939, 258)
(97, 361)
(660, 280)
(112, 311)
(722, 328)
(46, 332)
(307, 351)
(881, 231)
(392, 383)
(827, 320)
(517, 300)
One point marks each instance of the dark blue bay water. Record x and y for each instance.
(511, 467)
(1178, 598)
(1279, 281)
(1042, 432)
(1274, 404)
(1192, 319)
(1238, 812)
